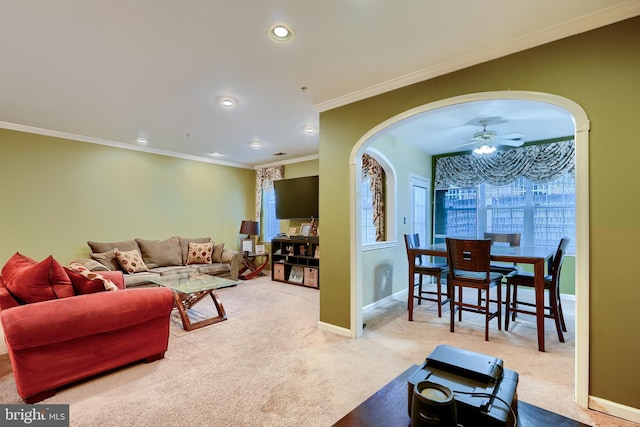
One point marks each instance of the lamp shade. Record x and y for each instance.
(251, 228)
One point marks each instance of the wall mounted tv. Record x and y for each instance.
(296, 198)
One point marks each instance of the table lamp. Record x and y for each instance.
(250, 228)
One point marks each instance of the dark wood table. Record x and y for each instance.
(388, 407)
(534, 255)
(250, 268)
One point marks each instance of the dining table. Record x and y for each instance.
(537, 256)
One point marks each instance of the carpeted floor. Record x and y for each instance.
(269, 365)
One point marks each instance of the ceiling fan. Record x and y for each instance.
(488, 140)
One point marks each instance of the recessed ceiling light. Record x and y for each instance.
(280, 33)
(142, 141)
(227, 101)
(256, 145)
(310, 129)
(216, 154)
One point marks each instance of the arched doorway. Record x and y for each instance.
(581, 133)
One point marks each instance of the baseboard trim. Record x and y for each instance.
(327, 327)
(615, 409)
(368, 308)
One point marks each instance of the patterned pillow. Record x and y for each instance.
(130, 261)
(200, 253)
(217, 252)
(85, 281)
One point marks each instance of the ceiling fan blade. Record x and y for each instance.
(511, 139)
(511, 142)
(465, 144)
(512, 136)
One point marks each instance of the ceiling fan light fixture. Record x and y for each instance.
(485, 135)
(484, 149)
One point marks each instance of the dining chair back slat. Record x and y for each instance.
(469, 267)
(551, 286)
(423, 268)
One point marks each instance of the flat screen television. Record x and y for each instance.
(297, 198)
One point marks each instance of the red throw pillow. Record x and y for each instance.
(82, 285)
(42, 281)
(88, 282)
(16, 263)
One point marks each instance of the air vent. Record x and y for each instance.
(279, 154)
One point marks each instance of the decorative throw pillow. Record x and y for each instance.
(85, 281)
(184, 245)
(200, 253)
(217, 252)
(14, 264)
(42, 281)
(130, 261)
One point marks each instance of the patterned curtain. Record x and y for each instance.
(539, 163)
(373, 170)
(264, 181)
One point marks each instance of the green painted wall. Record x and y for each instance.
(57, 194)
(599, 70)
(385, 271)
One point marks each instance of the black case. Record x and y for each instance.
(465, 371)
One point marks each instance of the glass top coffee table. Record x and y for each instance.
(190, 288)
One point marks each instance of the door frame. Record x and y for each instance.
(581, 134)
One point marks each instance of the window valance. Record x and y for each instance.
(264, 181)
(539, 163)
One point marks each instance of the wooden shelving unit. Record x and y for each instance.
(296, 260)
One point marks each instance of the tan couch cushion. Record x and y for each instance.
(108, 259)
(125, 245)
(160, 253)
(184, 245)
(217, 252)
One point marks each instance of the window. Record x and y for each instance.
(378, 204)
(542, 212)
(270, 225)
(368, 229)
(420, 189)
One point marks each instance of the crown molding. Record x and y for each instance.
(125, 146)
(550, 34)
(288, 161)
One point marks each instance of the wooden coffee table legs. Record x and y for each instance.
(185, 301)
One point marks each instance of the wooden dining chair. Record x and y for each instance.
(553, 309)
(431, 269)
(508, 239)
(470, 267)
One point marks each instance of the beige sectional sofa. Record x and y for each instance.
(162, 257)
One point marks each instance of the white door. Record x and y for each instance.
(420, 207)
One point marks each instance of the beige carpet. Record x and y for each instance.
(269, 365)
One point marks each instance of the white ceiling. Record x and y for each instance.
(111, 71)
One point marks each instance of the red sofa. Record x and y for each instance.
(60, 341)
